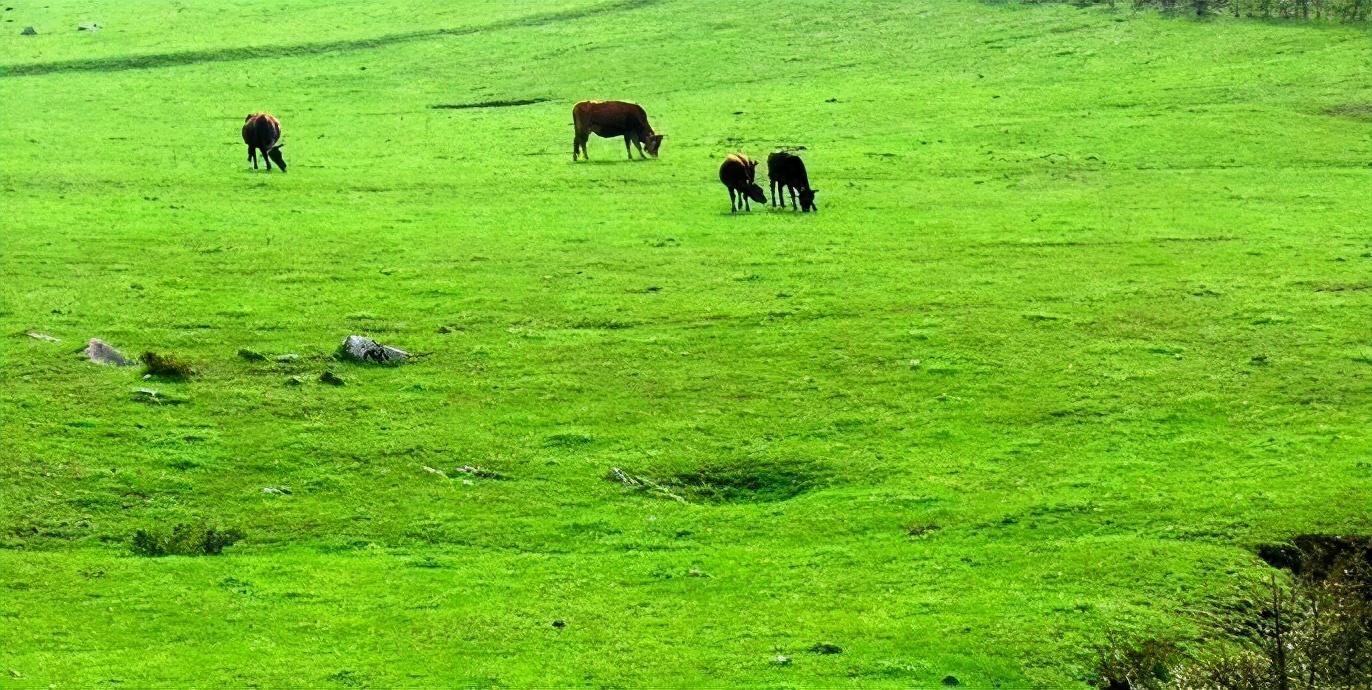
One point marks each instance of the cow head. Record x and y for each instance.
(755, 193)
(653, 143)
(274, 153)
(807, 200)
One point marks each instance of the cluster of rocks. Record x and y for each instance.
(355, 348)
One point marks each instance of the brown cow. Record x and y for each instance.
(613, 119)
(737, 173)
(785, 169)
(263, 132)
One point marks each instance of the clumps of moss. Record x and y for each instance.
(184, 540)
(166, 366)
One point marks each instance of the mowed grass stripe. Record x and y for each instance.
(192, 57)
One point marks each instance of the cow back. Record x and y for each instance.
(261, 130)
(610, 118)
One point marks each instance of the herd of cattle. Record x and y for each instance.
(785, 170)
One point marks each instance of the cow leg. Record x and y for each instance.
(772, 190)
(793, 198)
(252, 157)
(732, 208)
(627, 150)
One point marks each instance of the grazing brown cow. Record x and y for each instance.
(613, 119)
(737, 174)
(785, 169)
(263, 132)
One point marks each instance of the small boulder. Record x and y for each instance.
(251, 355)
(101, 352)
(951, 681)
(826, 648)
(88, 27)
(29, 31)
(294, 381)
(330, 378)
(362, 349)
(288, 358)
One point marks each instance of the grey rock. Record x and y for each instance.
(251, 355)
(288, 358)
(330, 378)
(276, 490)
(362, 349)
(92, 26)
(101, 352)
(294, 381)
(29, 31)
(43, 336)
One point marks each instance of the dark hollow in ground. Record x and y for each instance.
(488, 104)
(748, 480)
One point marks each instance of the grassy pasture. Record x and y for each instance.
(1084, 316)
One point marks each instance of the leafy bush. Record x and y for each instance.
(1311, 633)
(184, 540)
(165, 366)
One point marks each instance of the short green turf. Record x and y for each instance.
(1085, 315)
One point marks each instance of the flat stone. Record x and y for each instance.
(43, 336)
(251, 355)
(330, 378)
(101, 352)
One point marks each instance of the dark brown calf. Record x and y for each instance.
(262, 132)
(737, 173)
(613, 119)
(785, 169)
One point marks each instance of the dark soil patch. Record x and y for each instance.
(488, 104)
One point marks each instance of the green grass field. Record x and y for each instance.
(1086, 315)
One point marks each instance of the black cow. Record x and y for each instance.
(785, 169)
